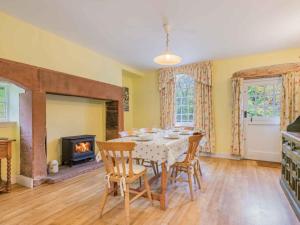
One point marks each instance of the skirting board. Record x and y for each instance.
(24, 181)
(13, 180)
(220, 155)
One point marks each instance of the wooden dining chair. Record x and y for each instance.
(188, 164)
(202, 144)
(118, 171)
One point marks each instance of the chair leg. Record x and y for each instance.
(153, 167)
(147, 186)
(176, 172)
(200, 171)
(157, 167)
(190, 176)
(172, 175)
(103, 200)
(127, 201)
(199, 167)
(197, 175)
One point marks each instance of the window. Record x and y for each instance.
(3, 103)
(264, 100)
(184, 100)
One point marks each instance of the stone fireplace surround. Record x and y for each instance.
(38, 82)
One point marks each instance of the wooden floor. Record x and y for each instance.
(234, 192)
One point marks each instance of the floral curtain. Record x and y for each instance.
(237, 147)
(201, 72)
(204, 114)
(167, 104)
(290, 98)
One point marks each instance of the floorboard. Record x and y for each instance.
(233, 193)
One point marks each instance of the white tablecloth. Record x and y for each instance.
(158, 149)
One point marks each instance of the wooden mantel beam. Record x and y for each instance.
(38, 82)
(267, 71)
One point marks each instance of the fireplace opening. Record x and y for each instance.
(82, 147)
(77, 149)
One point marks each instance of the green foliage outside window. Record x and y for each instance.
(184, 99)
(3, 103)
(264, 100)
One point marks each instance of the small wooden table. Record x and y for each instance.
(5, 153)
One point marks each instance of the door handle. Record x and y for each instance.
(245, 114)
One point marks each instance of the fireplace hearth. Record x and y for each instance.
(78, 149)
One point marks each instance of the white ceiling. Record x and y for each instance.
(130, 31)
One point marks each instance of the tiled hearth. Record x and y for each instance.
(66, 172)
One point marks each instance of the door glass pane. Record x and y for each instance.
(264, 100)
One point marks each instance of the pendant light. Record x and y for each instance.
(167, 58)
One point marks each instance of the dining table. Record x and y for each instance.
(163, 148)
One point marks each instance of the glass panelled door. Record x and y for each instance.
(262, 119)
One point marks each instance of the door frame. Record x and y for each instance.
(257, 120)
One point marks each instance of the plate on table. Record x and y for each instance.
(176, 130)
(185, 133)
(151, 132)
(171, 137)
(143, 139)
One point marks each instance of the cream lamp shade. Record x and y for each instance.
(167, 58)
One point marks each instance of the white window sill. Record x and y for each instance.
(8, 123)
(184, 124)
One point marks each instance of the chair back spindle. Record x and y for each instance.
(115, 156)
(193, 147)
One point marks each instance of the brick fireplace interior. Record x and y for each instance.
(78, 122)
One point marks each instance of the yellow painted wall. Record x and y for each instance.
(23, 42)
(146, 101)
(128, 81)
(146, 95)
(69, 116)
(222, 96)
(143, 100)
(26, 43)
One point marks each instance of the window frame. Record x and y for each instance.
(6, 102)
(261, 81)
(188, 123)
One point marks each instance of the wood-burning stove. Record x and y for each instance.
(78, 148)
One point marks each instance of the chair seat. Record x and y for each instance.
(180, 161)
(181, 158)
(137, 169)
